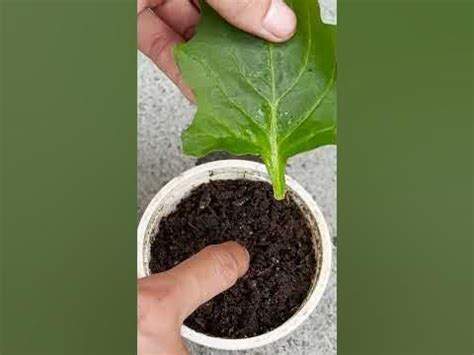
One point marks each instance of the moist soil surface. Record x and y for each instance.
(277, 236)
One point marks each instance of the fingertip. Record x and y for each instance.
(280, 21)
(240, 255)
(188, 94)
(213, 270)
(272, 20)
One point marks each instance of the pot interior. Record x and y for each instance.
(169, 201)
(170, 196)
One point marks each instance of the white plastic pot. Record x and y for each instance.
(172, 193)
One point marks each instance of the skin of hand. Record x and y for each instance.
(162, 24)
(166, 299)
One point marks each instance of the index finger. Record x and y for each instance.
(156, 40)
(208, 273)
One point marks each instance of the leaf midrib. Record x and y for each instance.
(273, 131)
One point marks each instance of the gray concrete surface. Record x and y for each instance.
(163, 113)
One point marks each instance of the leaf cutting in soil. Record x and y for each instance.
(261, 98)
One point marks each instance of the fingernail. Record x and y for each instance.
(280, 20)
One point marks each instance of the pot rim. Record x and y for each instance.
(258, 172)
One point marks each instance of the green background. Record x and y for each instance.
(405, 183)
(68, 177)
(68, 172)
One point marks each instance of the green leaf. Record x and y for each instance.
(260, 98)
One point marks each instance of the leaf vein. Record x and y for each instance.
(313, 108)
(226, 95)
(304, 66)
(248, 81)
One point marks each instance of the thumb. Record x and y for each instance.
(208, 273)
(269, 19)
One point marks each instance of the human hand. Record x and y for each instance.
(166, 299)
(162, 24)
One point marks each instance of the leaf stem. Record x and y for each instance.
(276, 170)
(274, 165)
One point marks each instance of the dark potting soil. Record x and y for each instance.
(277, 236)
